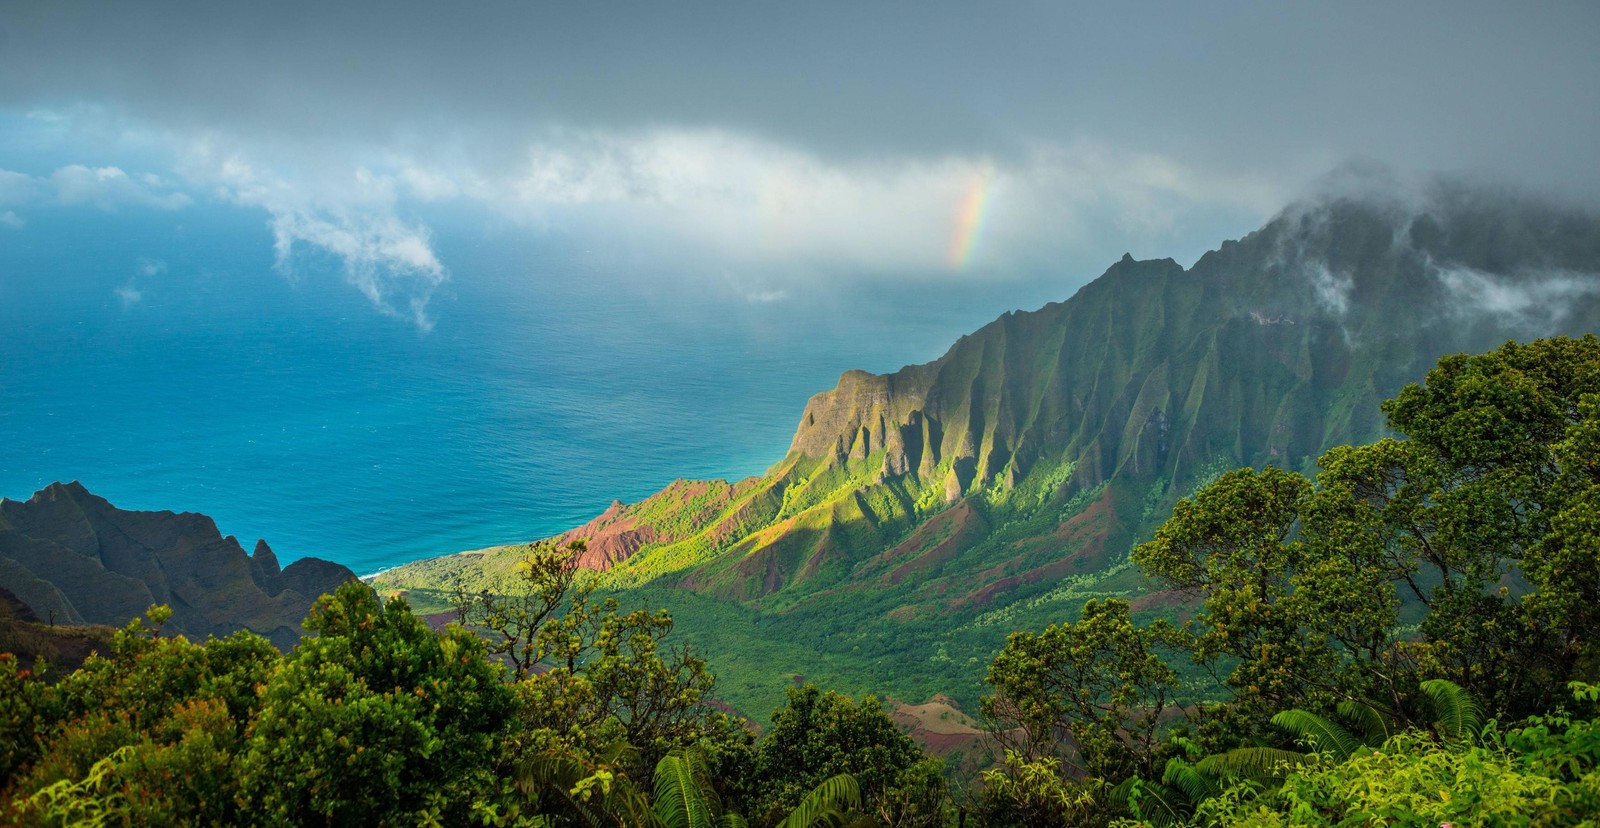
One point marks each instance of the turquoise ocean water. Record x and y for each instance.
(285, 407)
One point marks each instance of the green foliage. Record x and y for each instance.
(684, 797)
(157, 720)
(93, 801)
(1101, 679)
(22, 721)
(1456, 715)
(565, 787)
(820, 735)
(1036, 794)
(1415, 780)
(610, 678)
(1317, 734)
(1265, 608)
(375, 719)
(831, 803)
(513, 609)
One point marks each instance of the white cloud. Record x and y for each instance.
(17, 188)
(128, 295)
(351, 216)
(1533, 298)
(150, 267)
(426, 184)
(772, 216)
(753, 201)
(11, 220)
(1331, 289)
(110, 187)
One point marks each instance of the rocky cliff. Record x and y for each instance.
(1038, 448)
(73, 558)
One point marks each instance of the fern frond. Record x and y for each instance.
(827, 804)
(547, 770)
(1322, 735)
(681, 801)
(1261, 763)
(1160, 805)
(1190, 781)
(1376, 727)
(1455, 715)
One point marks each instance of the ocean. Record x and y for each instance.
(161, 360)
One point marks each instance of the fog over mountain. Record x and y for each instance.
(774, 149)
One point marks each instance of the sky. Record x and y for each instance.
(775, 148)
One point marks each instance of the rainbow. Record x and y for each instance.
(970, 219)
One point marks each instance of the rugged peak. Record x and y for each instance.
(265, 560)
(72, 554)
(73, 492)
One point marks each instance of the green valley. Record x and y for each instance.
(920, 516)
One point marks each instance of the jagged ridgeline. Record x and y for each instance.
(71, 557)
(1005, 482)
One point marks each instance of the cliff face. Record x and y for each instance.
(1066, 432)
(72, 557)
(1024, 462)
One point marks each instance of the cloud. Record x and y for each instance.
(17, 188)
(128, 295)
(110, 187)
(150, 267)
(768, 216)
(350, 216)
(1331, 290)
(736, 199)
(1234, 86)
(849, 149)
(11, 220)
(1540, 299)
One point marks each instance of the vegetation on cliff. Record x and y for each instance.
(1408, 638)
(921, 515)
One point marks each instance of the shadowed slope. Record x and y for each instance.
(74, 558)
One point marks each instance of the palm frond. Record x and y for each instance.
(559, 776)
(1261, 763)
(1455, 715)
(1189, 780)
(547, 770)
(827, 804)
(1322, 735)
(1157, 805)
(681, 800)
(1376, 727)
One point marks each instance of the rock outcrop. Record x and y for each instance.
(73, 558)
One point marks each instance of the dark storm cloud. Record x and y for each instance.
(781, 145)
(1290, 88)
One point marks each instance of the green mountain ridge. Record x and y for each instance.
(919, 515)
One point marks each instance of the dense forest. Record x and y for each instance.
(1409, 638)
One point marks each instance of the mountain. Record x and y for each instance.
(73, 558)
(927, 511)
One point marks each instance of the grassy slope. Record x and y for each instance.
(920, 516)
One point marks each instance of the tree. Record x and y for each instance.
(513, 610)
(376, 719)
(818, 735)
(1237, 545)
(588, 675)
(1484, 517)
(607, 677)
(149, 731)
(1102, 680)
